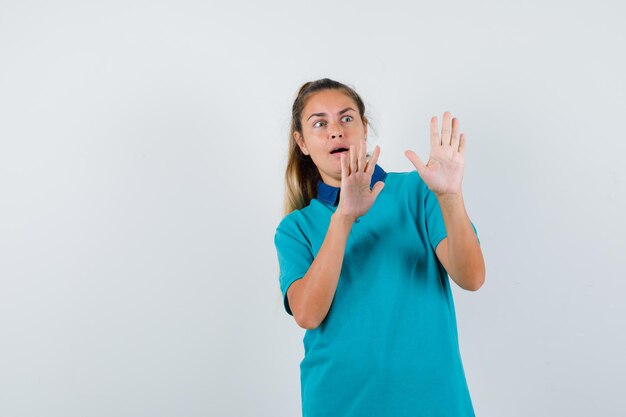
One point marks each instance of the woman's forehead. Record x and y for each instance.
(330, 100)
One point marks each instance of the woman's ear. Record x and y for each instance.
(300, 141)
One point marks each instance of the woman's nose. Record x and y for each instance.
(336, 132)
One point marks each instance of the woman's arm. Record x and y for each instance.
(460, 252)
(311, 296)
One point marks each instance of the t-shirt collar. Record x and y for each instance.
(330, 195)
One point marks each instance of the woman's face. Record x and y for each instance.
(330, 119)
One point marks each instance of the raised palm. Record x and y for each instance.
(356, 198)
(443, 174)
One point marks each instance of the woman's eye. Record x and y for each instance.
(317, 123)
(349, 117)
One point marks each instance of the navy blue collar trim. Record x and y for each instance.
(330, 195)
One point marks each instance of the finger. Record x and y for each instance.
(344, 167)
(415, 160)
(353, 167)
(435, 139)
(462, 144)
(378, 187)
(371, 164)
(454, 140)
(361, 160)
(445, 129)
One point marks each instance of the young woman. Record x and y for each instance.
(364, 258)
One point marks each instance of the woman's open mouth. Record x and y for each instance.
(338, 151)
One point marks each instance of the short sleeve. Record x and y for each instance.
(294, 257)
(434, 218)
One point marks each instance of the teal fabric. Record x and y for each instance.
(388, 345)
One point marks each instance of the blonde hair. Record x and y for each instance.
(301, 174)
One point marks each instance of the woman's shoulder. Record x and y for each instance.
(290, 219)
(300, 224)
(297, 217)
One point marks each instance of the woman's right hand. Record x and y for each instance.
(356, 198)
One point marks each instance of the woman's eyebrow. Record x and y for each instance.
(339, 113)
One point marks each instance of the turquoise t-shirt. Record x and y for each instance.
(388, 345)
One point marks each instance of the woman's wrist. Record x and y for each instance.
(343, 219)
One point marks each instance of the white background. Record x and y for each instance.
(142, 153)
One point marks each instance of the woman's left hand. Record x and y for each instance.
(444, 172)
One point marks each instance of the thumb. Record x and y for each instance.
(378, 187)
(415, 160)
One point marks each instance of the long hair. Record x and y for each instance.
(301, 174)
